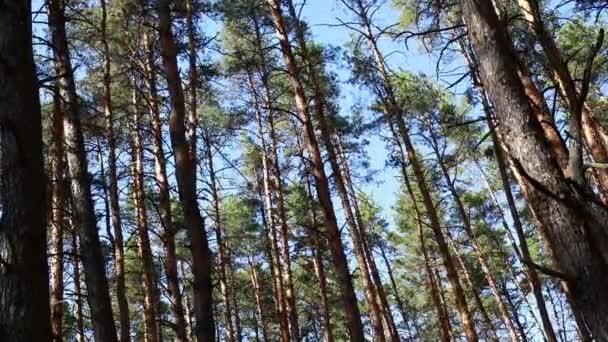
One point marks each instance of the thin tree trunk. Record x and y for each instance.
(274, 247)
(442, 316)
(235, 305)
(164, 197)
(145, 250)
(349, 299)
(223, 259)
(290, 297)
(123, 306)
(255, 282)
(57, 223)
(77, 291)
(90, 247)
(194, 83)
(370, 293)
(490, 330)
(367, 249)
(318, 264)
(468, 228)
(394, 113)
(24, 275)
(401, 303)
(185, 167)
(572, 226)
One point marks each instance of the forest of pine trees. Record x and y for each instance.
(303, 170)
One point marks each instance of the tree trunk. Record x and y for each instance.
(490, 330)
(573, 227)
(369, 257)
(530, 272)
(194, 83)
(139, 200)
(274, 246)
(185, 170)
(24, 276)
(442, 315)
(77, 291)
(394, 113)
(318, 264)
(468, 228)
(164, 198)
(119, 254)
(255, 282)
(57, 223)
(375, 311)
(349, 298)
(592, 132)
(222, 249)
(90, 247)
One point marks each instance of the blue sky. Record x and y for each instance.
(320, 14)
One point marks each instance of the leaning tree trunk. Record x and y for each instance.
(259, 304)
(572, 225)
(477, 249)
(90, 246)
(24, 292)
(164, 197)
(185, 171)
(349, 298)
(530, 272)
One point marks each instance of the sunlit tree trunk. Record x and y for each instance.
(349, 298)
(572, 226)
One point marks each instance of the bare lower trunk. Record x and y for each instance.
(442, 316)
(57, 223)
(279, 285)
(145, 250)
(77, 291)
(185, 170)
(223, 258)
(121, 296)
(318, 263)
(255, 282)
(24, 276)
(164, 198)
(90, 247)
